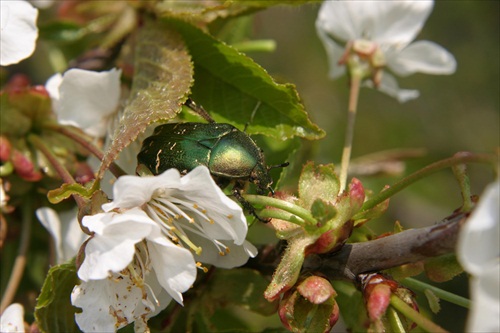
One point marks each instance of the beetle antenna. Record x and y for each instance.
(199, 110)
(252, 115)
(282, 165)
(271, 190)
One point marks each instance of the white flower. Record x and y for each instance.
(85, 99)
(118, 300)
(18, 31)
(149, 239)
(186, 208)
(390, 27)
(479, 253)
(65, 230)
(12, 319)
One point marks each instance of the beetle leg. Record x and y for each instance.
(199, 110)
(246, 205)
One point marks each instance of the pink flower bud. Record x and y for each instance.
(24, 167)
(5, 149)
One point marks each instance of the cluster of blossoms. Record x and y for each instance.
(148, 243)
(158, 232)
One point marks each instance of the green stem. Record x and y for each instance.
(20, 262)
(282, 215)
(36, 141)
(428, 170)
(415, 316)
(261, 45)
(349, 135)
(302, 213)
(460, 172)
(394, 320)
(443, 294)
(84, 141)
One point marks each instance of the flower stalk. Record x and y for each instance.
(20, 262)
(83, 140)
(60, 169)
(442, 294)
(299, 215)
(428, 170)
(356, 78)
(415, 316)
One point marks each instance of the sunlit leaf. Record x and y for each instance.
(235, 89)
(163, 77)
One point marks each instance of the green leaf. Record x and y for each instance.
(62, 31)
(234, 89)
(162, 79)
(433, 301)
(53, 311)
(323, 211)
(208, 11)
(243, 287)
(442, 268)
(318, 182)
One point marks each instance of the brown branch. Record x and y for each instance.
(409, 246)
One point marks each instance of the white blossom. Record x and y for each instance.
(478, 251)
(65, 231)
(18, 31)
(390, 27)
(12, 319)
(150, 240)
(85, 99)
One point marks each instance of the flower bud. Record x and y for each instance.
(24, 167)
(310, 306)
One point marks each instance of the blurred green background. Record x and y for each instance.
(459, 112)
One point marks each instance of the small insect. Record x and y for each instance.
(231, 156)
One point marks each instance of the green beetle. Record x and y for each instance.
(230, 154)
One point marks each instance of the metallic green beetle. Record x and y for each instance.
(230, 154)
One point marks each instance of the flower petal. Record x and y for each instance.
(112, 247)
(389, 85)
(229, 220)
(485, 296)
(237, 255)
(334, 53)
(398, 22)
(425, 57)
(134, 191)
(18, 31)
(64, 229)
(174, 266)
(385, 22)
(87, 98)
(339, 19)
(12, 319)
(478, 244)
(106, 304)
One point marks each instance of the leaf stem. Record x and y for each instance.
(20, 262)
(85, 142)
(36, 141)
(460, 172)
(394, 320)
(459, 158)
(260, 45)
(351, 119)
(415, 316)
(443, 294)
(304, 215)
